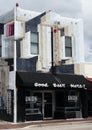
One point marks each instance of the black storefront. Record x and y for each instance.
(89, 93)
(47, 96)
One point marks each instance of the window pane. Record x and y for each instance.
(68, 51)
(68, 46)
(62, 32)
(68, 41)
(33, 103)
(34, 48)
(34, 37)
(73, 99)
(34, 43)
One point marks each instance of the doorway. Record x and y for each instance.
(48, 107)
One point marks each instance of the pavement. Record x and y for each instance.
(11, 125)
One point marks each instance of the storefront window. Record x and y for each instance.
(33, 103)
(73, 99)
(60, 99)
(67, 99)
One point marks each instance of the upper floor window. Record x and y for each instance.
(34, 43)
(68, 46)
(1, 28)
(62, 31)
(9, 29)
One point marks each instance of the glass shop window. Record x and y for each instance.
(60, 99)
(33, 103)
(73, 99)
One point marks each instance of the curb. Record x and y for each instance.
(9, 125)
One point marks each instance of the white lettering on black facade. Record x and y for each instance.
(77, 86)
(41, 85)
(58, 85)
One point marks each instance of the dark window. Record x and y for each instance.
(34, 43)
(33, 103)
(60, 99)
(68, 46)
(62, 32)
(73, 99)
(1, 28)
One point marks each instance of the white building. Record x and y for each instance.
(39, 42)
(69, 38)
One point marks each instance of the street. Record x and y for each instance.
(60, 126)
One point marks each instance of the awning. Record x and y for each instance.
(31, 79)
(48, 80)
(90, 81)
(74, 81)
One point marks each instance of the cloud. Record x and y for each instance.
(64, 7)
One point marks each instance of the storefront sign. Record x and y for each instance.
(57, 85)
(41, 85)
(77, 86)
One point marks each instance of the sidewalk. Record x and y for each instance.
(10, 125)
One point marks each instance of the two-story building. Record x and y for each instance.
(44, 57)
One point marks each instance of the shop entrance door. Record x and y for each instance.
(48, 105)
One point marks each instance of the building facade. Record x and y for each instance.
(42, 54)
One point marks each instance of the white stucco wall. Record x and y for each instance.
(78, 40)
(76, 32)
(88, 70)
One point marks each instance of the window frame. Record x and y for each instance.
(68, 47)
(35, 43)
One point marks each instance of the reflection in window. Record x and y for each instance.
(73, 99)
(33, 103)
(62, 32)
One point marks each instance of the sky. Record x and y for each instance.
(68, 8)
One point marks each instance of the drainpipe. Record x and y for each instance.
(52, 64)
(15, 92)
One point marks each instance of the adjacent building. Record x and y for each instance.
(42, 67)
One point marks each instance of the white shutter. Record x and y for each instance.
(19, 30)
(25, 46)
